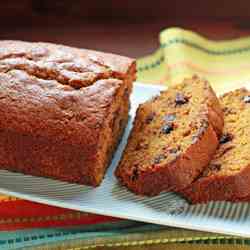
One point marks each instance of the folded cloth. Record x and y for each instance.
(182, 53)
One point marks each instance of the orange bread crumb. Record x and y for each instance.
(174, 137)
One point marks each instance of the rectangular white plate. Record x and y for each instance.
(114, 200)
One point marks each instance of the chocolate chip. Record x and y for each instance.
(246, 99)
(212, 167)
(159, 158)
(180, 99)
(167, 128)
(229, 111)
(169, 117)
(215, 167)
(138, 146)
(150, 117)
(141, 145)
(173, 150)
(134, 175)
(226, 138)
(226, 109)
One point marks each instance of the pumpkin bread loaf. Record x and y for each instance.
(174, 137)
(228, 175)
(62, 109)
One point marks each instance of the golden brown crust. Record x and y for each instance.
(61, 53)
(220, 188)
(179, 172)
(57, 103)
(215, 113)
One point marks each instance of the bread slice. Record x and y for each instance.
(228, 175)
(174, 137)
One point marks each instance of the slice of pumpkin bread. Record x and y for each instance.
(174, 137)
(227, 177)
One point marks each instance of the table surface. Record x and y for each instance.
(129, 38)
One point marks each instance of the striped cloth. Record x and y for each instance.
(28, 225)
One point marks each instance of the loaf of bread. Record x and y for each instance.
(62, 109)
(228, 175)
(173, 139)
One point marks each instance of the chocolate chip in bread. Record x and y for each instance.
(179, 131)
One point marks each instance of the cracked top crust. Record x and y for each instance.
(57, 91)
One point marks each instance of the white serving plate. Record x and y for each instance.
(114, 200)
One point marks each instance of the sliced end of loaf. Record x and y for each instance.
(173, 139)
